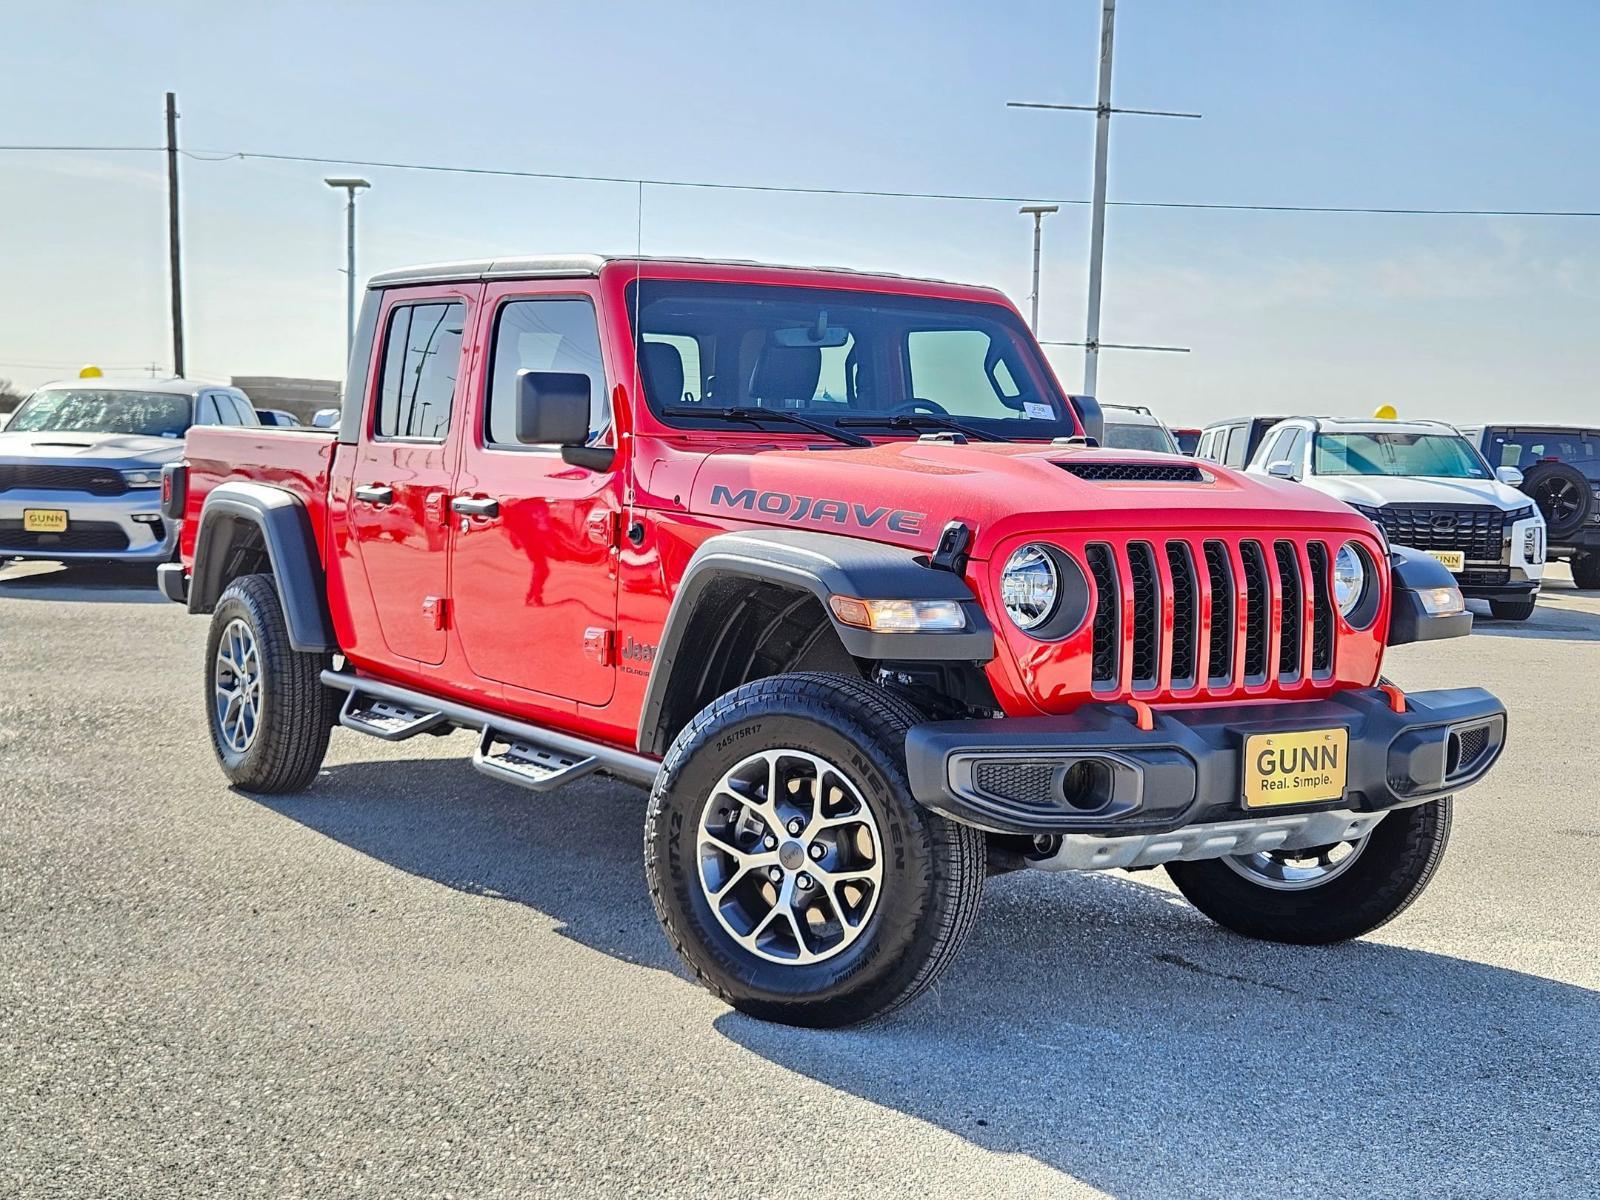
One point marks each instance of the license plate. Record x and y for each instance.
(1453, 560)
(1295, 768)
(44, 520)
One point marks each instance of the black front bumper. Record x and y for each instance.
(1519, 589)
(1010, 775)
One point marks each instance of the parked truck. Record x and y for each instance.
(830, 563)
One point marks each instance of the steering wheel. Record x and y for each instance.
(917, 404)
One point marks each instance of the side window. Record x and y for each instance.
(422, 354)
(1238, 439)
(1203, 450)
(206, 412)
(1295, 450)
(1267, 453)
(544, 335)
(243, 413)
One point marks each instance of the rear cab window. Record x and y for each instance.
(421, 359)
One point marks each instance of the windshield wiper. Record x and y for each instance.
(768, 414)
(923, 421)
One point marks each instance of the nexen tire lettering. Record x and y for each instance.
(799, 508)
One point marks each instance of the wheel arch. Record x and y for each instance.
(755, 603)
(254, 528)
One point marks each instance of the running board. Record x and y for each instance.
(387, 719)
(517, 752)
(529, 764)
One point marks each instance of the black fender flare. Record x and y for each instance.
(285, 528)
(1410, 572)
(825, 565)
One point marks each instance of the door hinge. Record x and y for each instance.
(605, 528)
(601, 645)
(437, 610)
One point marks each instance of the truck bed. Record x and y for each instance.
(297, 460)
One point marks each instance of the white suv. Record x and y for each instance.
(1426, 487)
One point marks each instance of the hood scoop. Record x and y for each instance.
(65, 445)
(1134, 472)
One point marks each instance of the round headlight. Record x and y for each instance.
(1349, 579)
(1030, 586)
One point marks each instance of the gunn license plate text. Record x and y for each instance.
(1295, 768)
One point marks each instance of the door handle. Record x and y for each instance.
(375, 493)
(475, 506)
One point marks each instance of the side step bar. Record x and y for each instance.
(518, 753)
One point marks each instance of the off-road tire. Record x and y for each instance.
(1511, 610)
(1399, 859)
(1586, 570)
(291, 738)
(1574, 482)
(933, 869)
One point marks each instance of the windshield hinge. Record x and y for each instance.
(951, 552)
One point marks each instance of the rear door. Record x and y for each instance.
(398, 512)
(534, 564)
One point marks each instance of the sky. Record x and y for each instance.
(1460, 105)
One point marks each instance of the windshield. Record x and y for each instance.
(85, 410)
(856, 359)
(1437, 455)
(1122, 436)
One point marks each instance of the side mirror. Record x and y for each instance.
(1091, 418)
(552, 408)
(1510, 476)
(1283, 469)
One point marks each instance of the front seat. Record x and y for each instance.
(786, 376)
(663, 372)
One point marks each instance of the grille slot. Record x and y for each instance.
(1146, 616)
(1477, 530)
(1107, 616)
(1466, 747)
(1257, 606)
(1014, 782)
(1293, 610)
(1219, 654)
(1185, 615)
(1135, 472)
(97, 481)
(1321, 612)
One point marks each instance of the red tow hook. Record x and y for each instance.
(1397, 698)
(1144, 716)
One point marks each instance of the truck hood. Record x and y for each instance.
(905, 492)
(1378, 490)
(89, 448)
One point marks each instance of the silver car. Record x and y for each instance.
(80, 465)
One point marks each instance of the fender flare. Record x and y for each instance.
(1410, 572)
(825, 565)
(285, 527)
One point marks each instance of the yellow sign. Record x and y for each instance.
(44, 520)
(1385, 412)
(91, 372)
(1295, 768)
(1453, 560)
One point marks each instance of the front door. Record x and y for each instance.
(398, 507)
(534, 558)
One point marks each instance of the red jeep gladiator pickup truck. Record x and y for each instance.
(831, 563)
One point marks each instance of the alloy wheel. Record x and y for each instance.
(237, 687)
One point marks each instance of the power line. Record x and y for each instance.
(799, 190)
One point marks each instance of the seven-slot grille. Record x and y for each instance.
(1474, 529)
(1270, 614)
(97, 481)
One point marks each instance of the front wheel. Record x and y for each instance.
(1327, 893)
(788, 862)
(266, 704)
(1586, 570)
(1511, 610)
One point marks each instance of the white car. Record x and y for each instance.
(1426, 487)
(1135, 427)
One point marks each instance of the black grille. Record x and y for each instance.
(82, 535)
(1114, 472)
(1484, 576)
(1321, 611)
(97, 481)
(1219, 665)
(1258, 602)
(1185, 615)
(1107, 615)
(1146, 616)
(1477, 530)
(1293, 610)
(1017, 782)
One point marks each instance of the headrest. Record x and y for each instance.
(786, 373)
(663, 372)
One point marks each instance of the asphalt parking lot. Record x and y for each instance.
(414, 981)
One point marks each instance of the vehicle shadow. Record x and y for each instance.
(1093, 1024)
(106, 583)
(1549, 621)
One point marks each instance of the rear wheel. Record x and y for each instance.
(1586, 570)
(788, 862)
(265, 702)
(1325, 894)
(1511, 610)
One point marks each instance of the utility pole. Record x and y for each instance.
(174, 256)
(1102, 110)
(1037, 211)
(351, 187)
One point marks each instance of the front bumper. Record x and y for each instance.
(1010, 775)
(125, 528)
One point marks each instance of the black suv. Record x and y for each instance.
(1560, 467)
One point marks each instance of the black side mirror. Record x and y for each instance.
(552, 408)
(1091, 418)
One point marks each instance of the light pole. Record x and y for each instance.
(1037, 211)
(351, 187)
